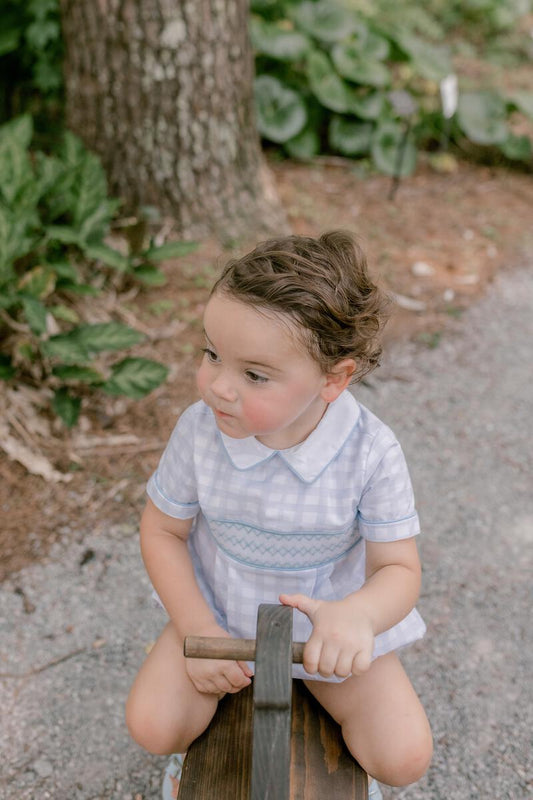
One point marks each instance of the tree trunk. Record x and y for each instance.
(162, 90)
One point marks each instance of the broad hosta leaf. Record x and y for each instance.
(135, 377)
(349, 137)
(326, 84)
(78, 374)
(482, 117)
(354, 64)
(107, 336)
(387, 141)
(304, 146)
(522, 100)
(367, 106)
(168, 250)
(431, 61)
(271, 40)
(281, 112)
(517, 147)
(325, 20)
(66, 407)
(35, 314)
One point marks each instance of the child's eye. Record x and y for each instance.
(210, 355)
(254, 377)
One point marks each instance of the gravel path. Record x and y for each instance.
(73, 629)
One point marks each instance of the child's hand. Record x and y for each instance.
(342, 640)
(212, 676)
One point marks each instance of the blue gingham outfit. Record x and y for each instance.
(271, 521)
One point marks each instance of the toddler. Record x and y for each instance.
(278, 486)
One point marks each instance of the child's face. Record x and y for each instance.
(257, 377)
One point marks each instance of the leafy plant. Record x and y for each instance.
(31, 49)
(329, 74)
(54, 218)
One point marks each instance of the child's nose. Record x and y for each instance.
(222, 388)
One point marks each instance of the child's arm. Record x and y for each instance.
(343, 631)
(168, 563)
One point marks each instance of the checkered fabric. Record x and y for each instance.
(296, 520)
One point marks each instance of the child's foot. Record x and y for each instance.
(374, 792)
(171, 778)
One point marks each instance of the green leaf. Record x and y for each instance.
(325, 84)
(103, 336)
(325, 20)
(7, 370)
(431, 61)
(35, 313)
(66, 347)
(17, 179)
(135, 377)
(271, 40)
(66, 407)
(64, 313)
(281, 112)
(168, 250)
(354, 64)
(350, 138)
(518, 148)
(482, 117)
(367, 106)
(387, 140)
(39, 281)
(304, 146)
(76, 373)
(62, 233)
(19, 130)
(108, 256)
(9, 40)
(522, 100)
(150, 275)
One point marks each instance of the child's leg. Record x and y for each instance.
(383, 722)
(165, 712)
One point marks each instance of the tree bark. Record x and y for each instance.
(162, 90)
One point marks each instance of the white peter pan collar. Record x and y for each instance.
(309, 458)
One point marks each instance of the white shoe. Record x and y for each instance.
(171, 778)
(374, 792)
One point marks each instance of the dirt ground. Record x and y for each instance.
(435, 247)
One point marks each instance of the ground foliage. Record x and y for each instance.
(55, 215)
(365, 79)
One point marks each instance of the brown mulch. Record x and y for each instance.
(436, 246)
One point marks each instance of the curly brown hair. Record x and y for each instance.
(323, 286)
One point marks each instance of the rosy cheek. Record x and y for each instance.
(259, 416)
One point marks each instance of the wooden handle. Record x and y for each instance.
(230, 649)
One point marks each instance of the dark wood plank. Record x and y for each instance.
(272, 704)
(321, 765)
(218, 764)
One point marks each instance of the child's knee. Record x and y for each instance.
(149, 730)
(404, 762)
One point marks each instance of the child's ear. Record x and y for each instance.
(338, 379)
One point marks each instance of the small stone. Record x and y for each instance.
(43, 768)
(422, 270)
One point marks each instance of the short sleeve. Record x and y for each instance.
(172, 487)
(386, 511)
